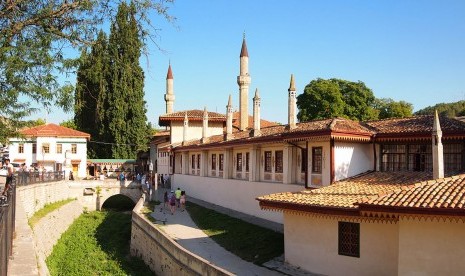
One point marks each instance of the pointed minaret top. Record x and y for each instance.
(229, 100)
(257, 95)
(205, 111)
(169, 76)
(436, 124)
(244, 52)
(185, 116)
(292, 84)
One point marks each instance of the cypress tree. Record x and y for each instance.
(125, 106)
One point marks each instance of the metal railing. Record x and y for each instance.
(26, 178)
(7, 226)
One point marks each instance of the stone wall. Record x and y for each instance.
(163, 254)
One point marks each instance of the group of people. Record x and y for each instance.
(175, 199)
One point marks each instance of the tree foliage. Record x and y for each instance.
(388, 108)
(68, 124)
(446, 109)
(34, 36)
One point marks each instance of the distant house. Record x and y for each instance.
(50, 146)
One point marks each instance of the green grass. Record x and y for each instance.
(248, 241)
(48, 208)
(97, 243)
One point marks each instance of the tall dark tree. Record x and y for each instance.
(91, 91)
(125, 119)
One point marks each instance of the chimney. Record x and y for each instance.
(256, 114)
(205, 126)
(292, 105)
(184, 130)
(438, 156)
(229, 117)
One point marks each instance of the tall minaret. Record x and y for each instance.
(229, 117)
(292, 104)
(256, 114)
(243, 80)
(185, 128)
(438, 156)
(169, 96)
(205, 125)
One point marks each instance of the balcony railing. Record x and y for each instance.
(26, 178)
(7, 226)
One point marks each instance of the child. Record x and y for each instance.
(183, 200)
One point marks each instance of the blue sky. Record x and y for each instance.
(405, 50)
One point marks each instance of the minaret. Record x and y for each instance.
(205, 125)
(169, 96)
(184, 130)
(292, 105)
(438, 156)
(229, 117)
(243, 80)
(256, 114)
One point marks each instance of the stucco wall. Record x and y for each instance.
(312, 243)
(162, 254)
(352, 159)
(194, 130)
(431, 247)
(234, 194)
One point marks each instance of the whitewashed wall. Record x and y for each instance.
(234, 194)
(352, 159)
(194, 130)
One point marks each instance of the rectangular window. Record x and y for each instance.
(349, 239)
(214, 162)
(193, 161)
(45, 148)
(420, 158)
(247, 160)
(304, 161)
(198, 161)
(267, 161)
(393, 158)
(221, 157)
(34, 148)
(453, 158)
(59, 148)
(21, 148)
(239, 162)
(317, 160)
(74, 148)
(278, 161)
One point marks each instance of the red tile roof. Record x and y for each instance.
(236, 122)
(192, 115)
(53, 130)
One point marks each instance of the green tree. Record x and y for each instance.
(388, 108)
(125, 113)
(336, 98)
(33, 38)
(68, 124)
(445, 109)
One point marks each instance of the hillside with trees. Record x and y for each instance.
(445, 109)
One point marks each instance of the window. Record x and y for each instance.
(34, 148)
(198, 161)
(453, 158)
(239, 162)
(221, 157)
(247, 158)
(214, 162)
(59, 148)
(278, 161)
(193, 161)
(349, 239)
(45, 148)
(317, 159)
(420, 158)
(304, 161)
(267, 161)
(74, 148)
(21, 148)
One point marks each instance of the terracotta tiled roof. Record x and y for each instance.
(416, 125)
(236, 122)
(53, 130)
(335, 124)
(192, 115)
(343, 194)
(446, 193)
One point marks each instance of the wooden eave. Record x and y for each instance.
(370, 210)
(281, 206)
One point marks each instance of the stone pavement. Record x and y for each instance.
(183, 230)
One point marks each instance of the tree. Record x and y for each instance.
(445, 109)
(388, 108)
(336, 98)
(125, 117)
(33, 36)
(68, 124)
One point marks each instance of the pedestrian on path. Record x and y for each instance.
(166, 200)
(183, 200)
(178, 197)
(172, 202)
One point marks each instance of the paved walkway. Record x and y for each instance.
(183, 230)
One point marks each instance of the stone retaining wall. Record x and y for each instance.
(163, 254)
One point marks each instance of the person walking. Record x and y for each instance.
(166, 200)
(183, 200)
(9, 176)
(172, 202)
(178, 197)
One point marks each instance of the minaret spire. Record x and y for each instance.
(229, 117)
(205, 125)
(292, 104)
(169, 96)
(438, 153)
(184, 130)
(256, 114)
(243, 80)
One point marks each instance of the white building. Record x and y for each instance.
(50, 146)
